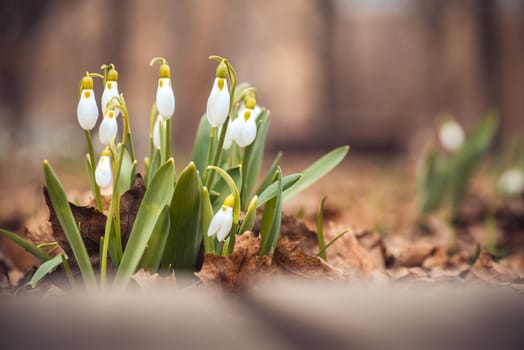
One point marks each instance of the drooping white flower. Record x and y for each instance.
(451, 135)
(218, 101)
(222, 222)
(246, 128)
(87, 110)
(108, 128)
(156, 130)
(511, 182)
(230, 135)
(110, 91)
(165, 98)
(103, 172)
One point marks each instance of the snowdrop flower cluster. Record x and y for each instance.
(219, 99)
(87, 110)
(451, 135)
(222, 222)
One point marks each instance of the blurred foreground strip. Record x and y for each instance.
(277, 315)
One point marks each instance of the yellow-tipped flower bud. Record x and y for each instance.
(112, 75)
(221, 71)
(103, 172)
(87, 109)
(165, 97)
(110, 90)
(164, 71)
(87, 83)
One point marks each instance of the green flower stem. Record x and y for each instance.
(109, 222)
(151, 128)
(167, 139)
(94, 187)
(68, 271)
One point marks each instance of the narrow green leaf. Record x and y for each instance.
(272, 190)
(153, 166)
(320, 230)
(271, 219)
(31, 248)
(253, 157)
(184, 240)
(44, 269)
(157, 242)
(249, 219)
(201, 144)
(157, 196)
(47, 245)
(206, 214)
(126, 171)
(68, 223)
(269, 176)
(316, 170)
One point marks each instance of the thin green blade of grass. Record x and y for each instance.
(68, 223)
(30, 248)
(320, 230)
(44, 269)
(336, 238)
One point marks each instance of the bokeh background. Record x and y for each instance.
(374, 74)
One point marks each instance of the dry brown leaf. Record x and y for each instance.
(235, 271)
(486, 269)
(149, 281)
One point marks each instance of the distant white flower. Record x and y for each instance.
(165, 98)
(222, 222)
(156, 130)
(110, 91)
(511, 182)
(218, 103)
(103, 172)
(87, 110)
(451, 135)
(108, 128)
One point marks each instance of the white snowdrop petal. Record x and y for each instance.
(511, 181)
(221, 223)
(218, 104)
(108, 130)
(110, 91)
(246, 133)
(230, 134)
(165, 98)
(451, 135)
(103, 173)
(156, 131)
(87, 110)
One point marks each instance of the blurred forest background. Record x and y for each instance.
(371, 73)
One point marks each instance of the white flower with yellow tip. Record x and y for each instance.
(165, 97)
(511, 182)
(222, 222)
(103, 172)
(218, 101)
(108, 128)
(110, 90)
(87, 110)
(451, 135)
(156, 130)
(245, 126)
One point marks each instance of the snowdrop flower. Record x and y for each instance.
(218, 101)
(108, 128)
(165, 98)
(256, 111)
(156, 130)
(230, 135)
(245, 126)
(451, 135)
(110, 90)
(511, 182)
(87, 110)
(103, 172)
(223, 220)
